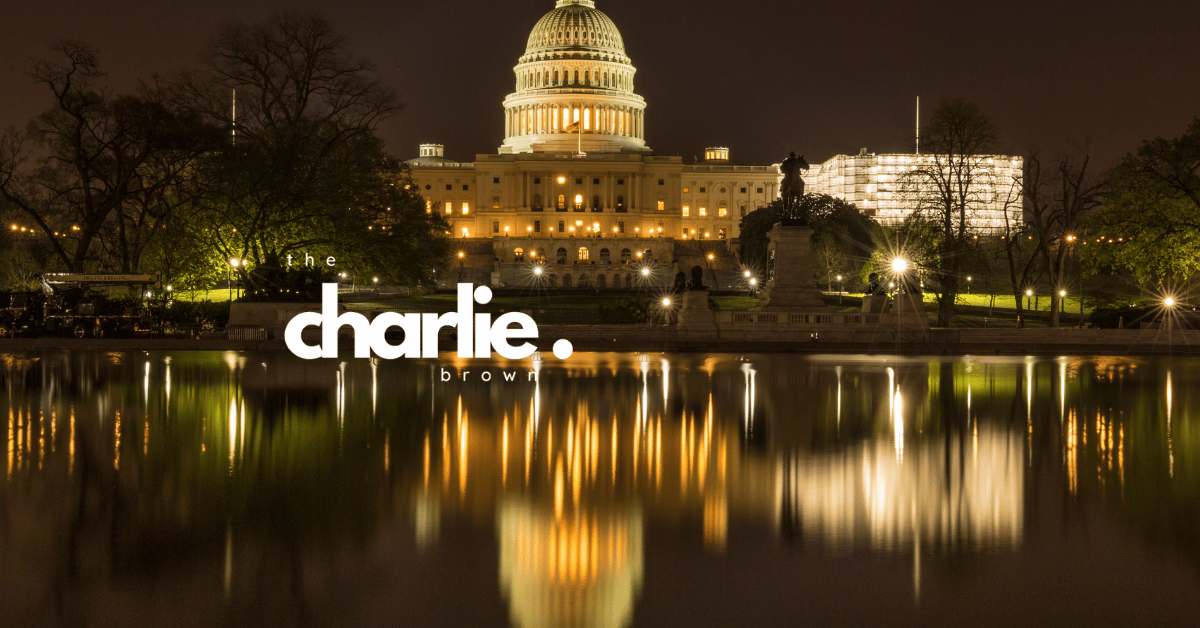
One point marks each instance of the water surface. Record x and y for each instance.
(208, 488)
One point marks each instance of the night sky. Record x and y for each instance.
(763, 78)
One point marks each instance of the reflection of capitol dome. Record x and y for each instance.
(581, 569)
(574, 87)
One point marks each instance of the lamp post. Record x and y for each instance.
(840, 289)
(899, 267)
(233, 263)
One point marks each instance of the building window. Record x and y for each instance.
(662, 181)
(702, 190)
(626, 256)
(562, 255)
(583, 253)
(537, 203)
(449, 187)
(578, 180)
(519, 254)
(495, 202)
(595, 181)
(662, 205)
(537, 180)
(743, 190)
(686, 190)
(743, 209)
(722, 190)
(621, 203)
(561, 226)
(495, 226)
(596, 203)
(620, 181)
(687, 211)
(685, 233)
(620, 226)
(759, 191)
(562, 203)
(721, 233)
(703, 211)
(428, 206)
(449, 207)
(466, 232)
(578, 202)
(428, 187)
(466, 208)
(537, 226)
(722, 212)
(497, 180)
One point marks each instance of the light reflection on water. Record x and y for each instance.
(267, 490)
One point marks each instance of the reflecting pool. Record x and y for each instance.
(209, 488)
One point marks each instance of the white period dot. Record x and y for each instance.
(483, 294)
(563, 349)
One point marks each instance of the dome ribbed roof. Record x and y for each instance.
(576, 27)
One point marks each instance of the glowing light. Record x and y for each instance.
(666, 302)
(899, 265)
(460, 254)
(1029, 293)
(1169, 302)
(233, 263)
(747, 273)
(1062, 293)
(537, 270)
(710, 255)
(645, 272)
(753, 281)
(375, 279)
(562, 180)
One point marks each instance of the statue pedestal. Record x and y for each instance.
(790, 272)
(694, 314)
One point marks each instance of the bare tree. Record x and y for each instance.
(1058, 198)
(79, 165)
(952, 185)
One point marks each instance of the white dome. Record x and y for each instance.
(576, 29)
(574, 70)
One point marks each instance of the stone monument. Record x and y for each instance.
(790, 284)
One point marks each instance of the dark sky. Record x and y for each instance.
(762, 77)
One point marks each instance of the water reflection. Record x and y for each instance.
(273, 490)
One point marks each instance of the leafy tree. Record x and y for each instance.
(1150, 223)
(951, 185)
(304, 172)
(839, 229)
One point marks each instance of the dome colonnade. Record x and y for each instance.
(574, 79)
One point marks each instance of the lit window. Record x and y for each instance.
(428, 206)
(466, 231)
(449, 207)
(662, 205)
(703, 211)
(583, 253)
(685, 233)
(685, 190)
(722, 212)
(466, 208)
(721, 233)
(495, 202)
(687, 211)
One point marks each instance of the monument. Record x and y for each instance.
(790, 284)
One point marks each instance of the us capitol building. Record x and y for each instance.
(575, 194)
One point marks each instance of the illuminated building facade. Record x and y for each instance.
(575, 189)
(880, 186)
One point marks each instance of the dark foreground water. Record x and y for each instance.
(195, 489)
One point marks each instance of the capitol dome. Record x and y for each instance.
(574, 88)
(577, 29)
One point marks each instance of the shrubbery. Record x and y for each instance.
(626, 311)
